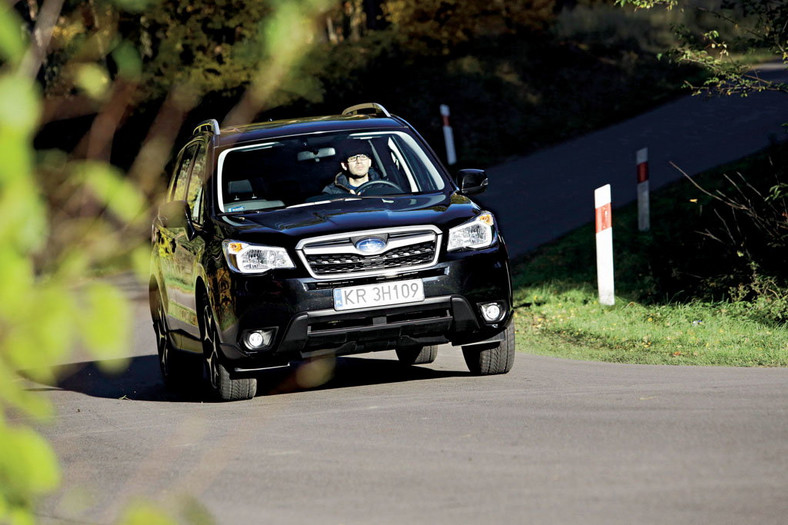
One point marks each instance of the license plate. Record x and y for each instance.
(380, 294)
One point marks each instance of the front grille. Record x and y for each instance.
(336, 256)
(350, 263)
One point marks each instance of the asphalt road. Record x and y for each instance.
(553, 441)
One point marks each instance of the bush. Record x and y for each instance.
(606, 27)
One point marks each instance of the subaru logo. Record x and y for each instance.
(370, 245)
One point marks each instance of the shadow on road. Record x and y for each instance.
(141, 380)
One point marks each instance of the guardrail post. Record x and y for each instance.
(448, 136)
(604, 245)
(644, 219)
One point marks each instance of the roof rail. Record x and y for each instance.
(377, 110)
(210, 125)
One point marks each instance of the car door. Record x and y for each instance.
(170, 235)
(189, 248)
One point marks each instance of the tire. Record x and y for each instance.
(485, 360)
(177, 370)
(222, 384)
(417, 355)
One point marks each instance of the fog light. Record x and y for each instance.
(491, 312)
(258, 339)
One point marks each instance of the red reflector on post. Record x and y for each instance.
(604, 217)
(642, 172)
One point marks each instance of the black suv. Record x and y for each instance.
(259, 262)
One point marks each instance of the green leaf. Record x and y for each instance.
(44, 340)
(16, 272)
(13, 395)
(22, 214)
(140, 262)
(28, 466)
(16, 153)
(93, 80)
(20, 105)
(128, 60)
(12, 47)
(143, 513)
(112, 189)
(105, 321)
(135, 6)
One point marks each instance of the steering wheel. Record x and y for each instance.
(378, 187)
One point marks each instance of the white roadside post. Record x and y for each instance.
(604, 245)
(448, 136)
(644, 220)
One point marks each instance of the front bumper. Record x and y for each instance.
(301, 314)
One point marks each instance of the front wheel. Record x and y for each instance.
(223, 385)
(417, 355)
(496, 358)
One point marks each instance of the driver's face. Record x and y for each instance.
(358, 165)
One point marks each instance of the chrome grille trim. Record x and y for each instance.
(336, 256)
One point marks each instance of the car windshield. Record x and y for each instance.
(303, 169)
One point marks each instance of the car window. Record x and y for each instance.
(196, 183)
(302, 169)
(181, 179)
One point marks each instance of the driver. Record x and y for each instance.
(357, 168)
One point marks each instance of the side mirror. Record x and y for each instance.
(471, 182)
(176, 214)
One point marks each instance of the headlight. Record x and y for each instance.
(474, 234)
(254, 258)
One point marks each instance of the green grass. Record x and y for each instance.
(673, 289)
(572, 324)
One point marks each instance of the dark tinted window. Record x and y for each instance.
(181, 180)
(196, 182)
(296, 170)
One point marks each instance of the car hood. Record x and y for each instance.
(368, 213)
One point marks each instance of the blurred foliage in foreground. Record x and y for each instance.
(66, 210)
(95, 93)
(42, 314)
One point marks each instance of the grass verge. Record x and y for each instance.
(674, 303)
